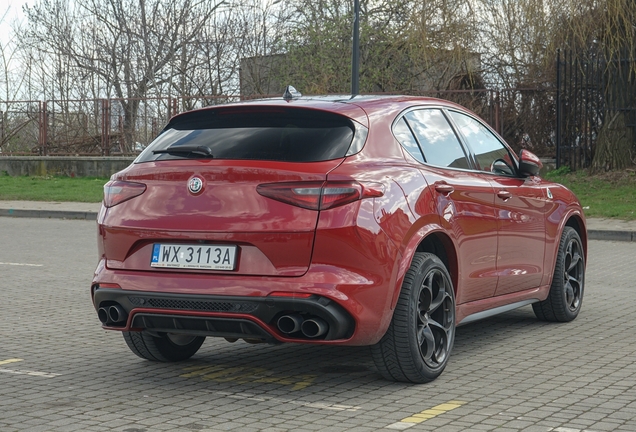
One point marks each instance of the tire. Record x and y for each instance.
(166, 347)
(420, 337)
(566, 292)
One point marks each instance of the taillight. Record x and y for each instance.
(305, 195)
(317, 195)
(116, 192)
(334, 194)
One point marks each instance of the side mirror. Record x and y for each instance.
(529, 163)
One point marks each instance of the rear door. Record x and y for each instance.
(463, 199)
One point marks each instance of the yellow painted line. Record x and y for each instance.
(243, 375)
(4, 362)
(427, 414)
(198, 371)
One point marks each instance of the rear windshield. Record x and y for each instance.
(277, 134)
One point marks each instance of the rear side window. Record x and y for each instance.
(405, 137)
(438, 141)
(275, 134)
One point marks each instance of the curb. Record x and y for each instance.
(609, 235)
(48, 214)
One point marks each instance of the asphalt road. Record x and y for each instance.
(59, 371)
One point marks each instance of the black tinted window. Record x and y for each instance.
(294, 135)
(437, 139)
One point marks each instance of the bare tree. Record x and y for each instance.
(404, 45)
(15, 117)
(202, 51)
(262, 28)
(126, 45)
(516, 40)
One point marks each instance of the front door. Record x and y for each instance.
(520, 208)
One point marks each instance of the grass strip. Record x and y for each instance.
(608, 195)
(75, 189)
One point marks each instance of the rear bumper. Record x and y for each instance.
(221, 316)
(350, 283)
(350, 288)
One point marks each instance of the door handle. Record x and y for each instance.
(504, 195)
(444, 188)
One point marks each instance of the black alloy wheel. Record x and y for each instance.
(566, 293)
(417, 345)
(434, 319)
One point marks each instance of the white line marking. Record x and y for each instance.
(319, 405)
(22, 264)
(31, 373)
(400, 426)
(563, 429)
(4, 362)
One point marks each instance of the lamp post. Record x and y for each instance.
(355, 56)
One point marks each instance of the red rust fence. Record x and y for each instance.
(88, 127)
(100, 127)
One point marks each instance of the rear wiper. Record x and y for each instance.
(200, 151)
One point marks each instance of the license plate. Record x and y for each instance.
(186, 256)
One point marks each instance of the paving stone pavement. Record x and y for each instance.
(59, 371)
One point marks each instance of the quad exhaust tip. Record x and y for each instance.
(102, 314)
(117, 314)
(312, 327)
(290, 323)
(114, 314)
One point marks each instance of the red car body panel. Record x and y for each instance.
(227, 211)
(355, 255)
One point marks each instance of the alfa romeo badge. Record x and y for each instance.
(195, 185)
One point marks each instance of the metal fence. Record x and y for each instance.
(525, 117)
(91, 127)
(20, 125)
(592, 92)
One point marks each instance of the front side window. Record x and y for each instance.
(437, 139)
(490, 154)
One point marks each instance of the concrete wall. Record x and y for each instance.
(76, 166)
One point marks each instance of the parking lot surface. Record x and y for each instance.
(59, 371)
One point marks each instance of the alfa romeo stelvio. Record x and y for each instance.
(371, 220)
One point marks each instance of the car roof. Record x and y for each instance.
(355, 107)
(364, 101)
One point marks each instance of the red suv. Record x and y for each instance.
(367, 220)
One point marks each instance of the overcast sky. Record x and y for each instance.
(13, 10)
